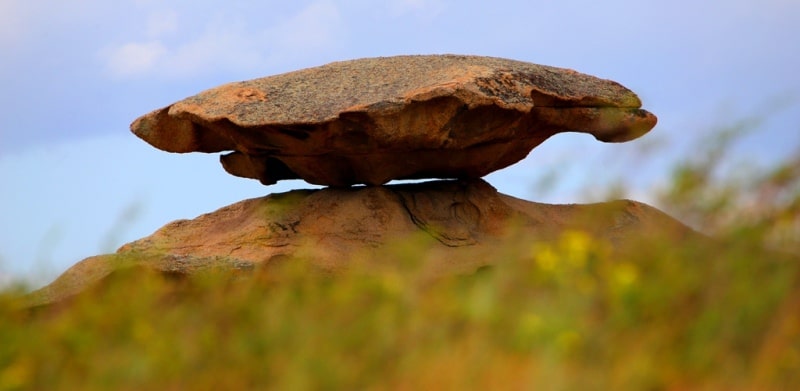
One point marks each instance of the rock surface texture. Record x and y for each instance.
(407, 117)
(460, 226)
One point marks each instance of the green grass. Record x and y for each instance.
(573, 314)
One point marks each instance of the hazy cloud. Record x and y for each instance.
(161, 23)
(427, 9)
(229, 43)
(12, 17)
(135, 58)
(21, 19)
(315, 27)
(220, 47)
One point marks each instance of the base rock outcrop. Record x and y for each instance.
(461, 225)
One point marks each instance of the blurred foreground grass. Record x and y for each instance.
(571, 314)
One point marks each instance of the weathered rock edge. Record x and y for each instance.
(462, 225)
(405, 117)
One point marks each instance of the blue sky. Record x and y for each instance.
(75, 73)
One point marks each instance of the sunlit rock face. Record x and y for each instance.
(369, 121)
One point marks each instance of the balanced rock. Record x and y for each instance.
(406, 117)
(455, 226)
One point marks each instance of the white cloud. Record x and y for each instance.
(315, 27)
(161, 23)
(427, 9)
(135, 58)
(12, 26)
(226, 43)
(230, 47)
(410, 4)
(21, 20)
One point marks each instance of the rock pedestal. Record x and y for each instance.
(458, 226)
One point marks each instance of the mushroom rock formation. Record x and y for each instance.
(458, 227)
(369, 121)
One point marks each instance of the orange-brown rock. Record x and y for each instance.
(459, 225)
(406, 117)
